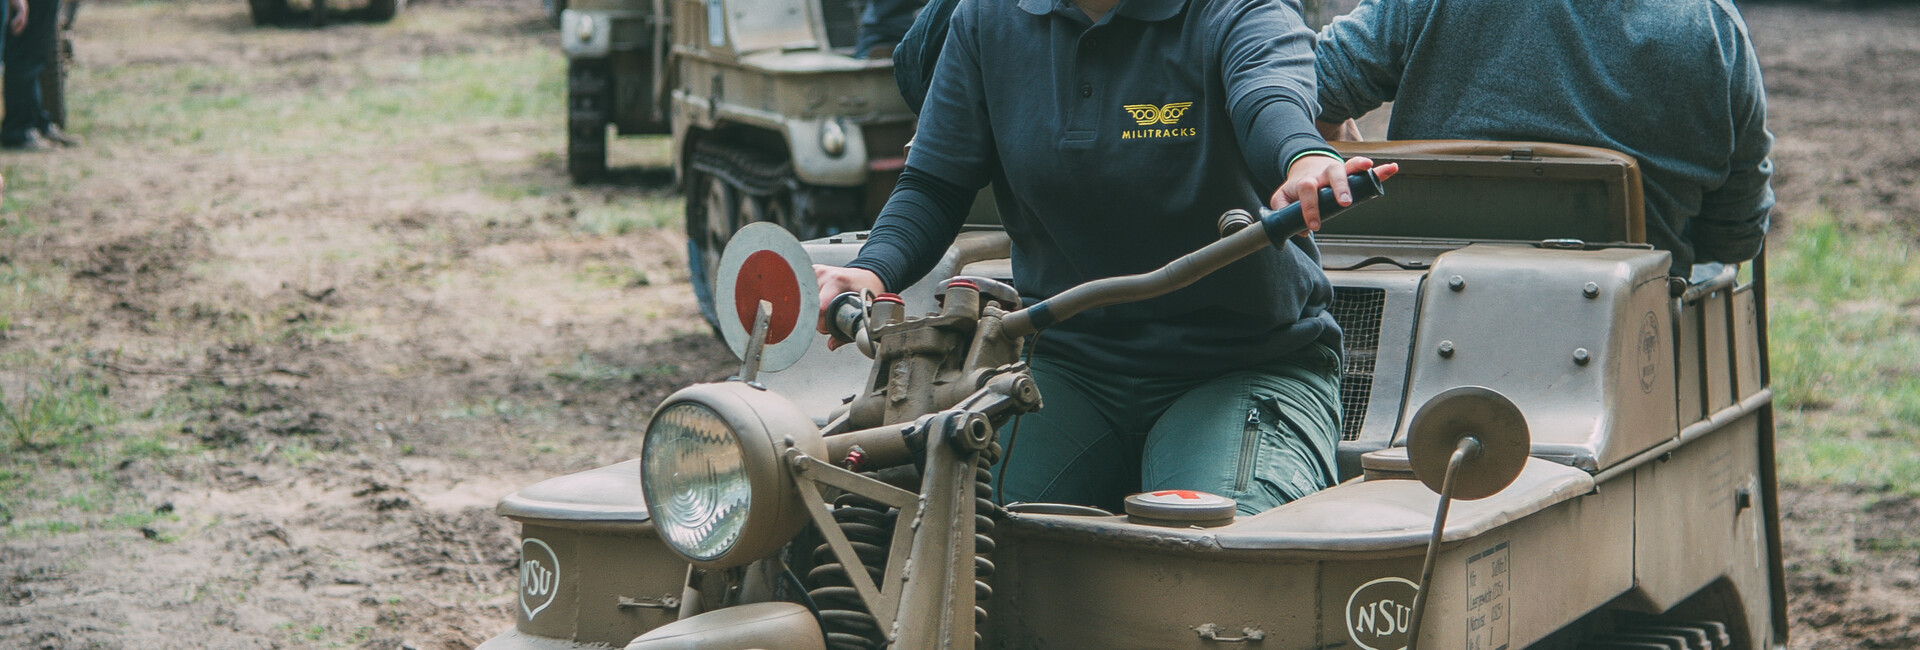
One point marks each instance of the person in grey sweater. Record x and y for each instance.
(1673, 83)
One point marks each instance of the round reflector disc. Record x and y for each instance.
(1487, 416)
(765, 262)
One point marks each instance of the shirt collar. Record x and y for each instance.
(1147, 10)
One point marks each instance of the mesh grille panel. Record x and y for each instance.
(1358, 312)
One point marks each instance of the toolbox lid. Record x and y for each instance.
(603, 495)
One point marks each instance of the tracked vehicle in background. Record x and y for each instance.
(266, 13)
(1599, 433)
(772, 117)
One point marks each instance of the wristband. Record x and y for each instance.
(1312, 152)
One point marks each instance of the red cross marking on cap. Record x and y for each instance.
(1184, 494)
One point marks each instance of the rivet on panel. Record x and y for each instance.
(1446, 349)
(1591, 291)
(1581, 357)
(1457, 283)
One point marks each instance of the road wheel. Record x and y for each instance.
(715, 210)
(267, 12)
(381, 11)
(589, 105)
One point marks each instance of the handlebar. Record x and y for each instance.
(846, 318)
(1276, 227)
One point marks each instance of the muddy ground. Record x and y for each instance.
(330, 363)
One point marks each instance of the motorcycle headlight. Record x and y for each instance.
(716, 485)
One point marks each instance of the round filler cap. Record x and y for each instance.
(1180, 508)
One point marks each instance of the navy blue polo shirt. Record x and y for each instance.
(1112, 149)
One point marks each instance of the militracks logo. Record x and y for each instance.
(1150, 115)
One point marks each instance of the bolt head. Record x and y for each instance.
(1591, 291)
(1581, 356)
(1446, 348)
(1457, 283)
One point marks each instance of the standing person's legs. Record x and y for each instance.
(1264, 437)
(26, 55)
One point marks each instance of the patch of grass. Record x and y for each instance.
(626, 215)
(42, 526)
(299, 454)
(1845, 333)
(614, 276)
(493, 407)
(588, 370)
(59, 410)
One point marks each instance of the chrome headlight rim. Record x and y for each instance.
(761, 423)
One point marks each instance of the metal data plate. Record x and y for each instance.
(764, 262)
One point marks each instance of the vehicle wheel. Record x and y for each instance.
(722, 211)
(715, 210)
(589, 104)
(267, 12)
(381, 11)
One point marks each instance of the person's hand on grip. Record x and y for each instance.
(1310, 173)
(18, 23)
(836, 280)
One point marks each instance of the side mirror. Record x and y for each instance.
(1484, 427)
(1468, 443)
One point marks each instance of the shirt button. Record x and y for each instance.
(1086, 89)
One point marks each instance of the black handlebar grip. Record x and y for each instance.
(846, 317)
(1287, 222)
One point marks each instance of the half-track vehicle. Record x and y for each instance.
(1548, 443)
(773, 118)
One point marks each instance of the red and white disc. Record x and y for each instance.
(765, 262)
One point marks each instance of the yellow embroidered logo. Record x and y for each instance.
(1149, 115)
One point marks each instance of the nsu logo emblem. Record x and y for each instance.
(1377, 613)
(539, 576)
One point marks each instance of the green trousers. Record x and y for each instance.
(1263, 436)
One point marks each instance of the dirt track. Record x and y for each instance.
(341, 370)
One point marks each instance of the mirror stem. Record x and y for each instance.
(757, 345)
(1468, 449)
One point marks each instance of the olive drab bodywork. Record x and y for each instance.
(1497, 287)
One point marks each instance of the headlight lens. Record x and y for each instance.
(695, 478)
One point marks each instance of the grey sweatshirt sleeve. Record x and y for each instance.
(1733, 217)
(1266, 65)
(1360, 58)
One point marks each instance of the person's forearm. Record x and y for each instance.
(1733, 218)
(1278, 133)
(919, 221)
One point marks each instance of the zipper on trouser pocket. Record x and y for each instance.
(1249, 445)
